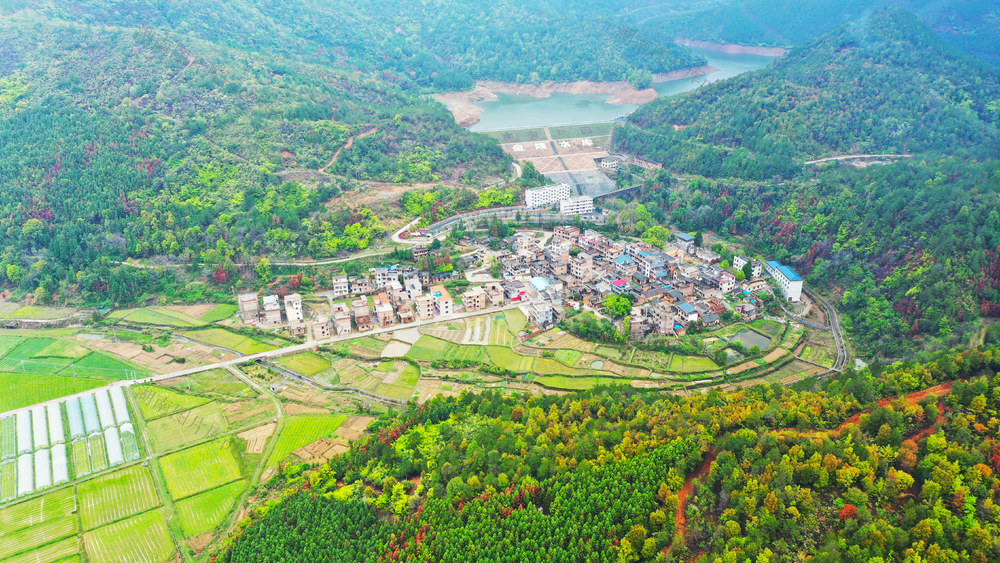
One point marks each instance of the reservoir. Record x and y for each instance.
(514, 112)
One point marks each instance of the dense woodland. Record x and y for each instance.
(911, 247)
(600, 476)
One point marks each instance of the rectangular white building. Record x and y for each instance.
(577, 205)
(546, 195)
(789, 282)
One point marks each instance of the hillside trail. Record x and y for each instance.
(940, 391)
(347, 145)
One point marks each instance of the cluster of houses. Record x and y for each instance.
(671, 287)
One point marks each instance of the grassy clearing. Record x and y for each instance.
(155, 402)
(306, 363)
(116, 496)
(574, 131)
(203, 512)
(21, 390)
(609, 352)
(200, 468)
(766, 326)
(142, 538)
(577, 383)
(29, 525)
(303, 430)
(186, 427)
(218, 382)
(394, 391)
(518, 135)
(516, 320)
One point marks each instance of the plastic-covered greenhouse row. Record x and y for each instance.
(104, 409)
(43, 470)
(60, 469)
(75, 416)
(24, 432)
(90, 420)
(56, 433)
(25, 475)
(121, 407)
(40, 427)
(114, 447)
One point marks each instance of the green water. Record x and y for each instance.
(512, 112)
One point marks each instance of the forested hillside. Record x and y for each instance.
(970, 26)
(912, 248)
(416, 45)
(885, 84)
(855, 471)
(118, 143)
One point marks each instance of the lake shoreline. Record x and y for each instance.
(733, 48)
(463, 104)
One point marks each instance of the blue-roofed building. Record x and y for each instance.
(788, 281)
(684, 237)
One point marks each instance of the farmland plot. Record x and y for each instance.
(142, 538)
(116, 496)
(200, 468)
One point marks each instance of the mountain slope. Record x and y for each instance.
(132, 143)
(882, 85)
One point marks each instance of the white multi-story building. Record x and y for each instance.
(577, 205)
(788, 281)
(546, 195)
(340, 285)
(293, 307)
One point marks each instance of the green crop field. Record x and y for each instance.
(231, 340)
(29, 525)
(203, 512)
(155, 402)
(8, 343)
(428, 348)
(142, 538)
(303, 430)
(467, 353)
(63, 349)
(508, 359)
(116, 496)
(40, 313)
(409, 377)
(518, 135)
(28, 348)
(80, 458)
(577, 383)
(8, 480)
(20, 390)
(187, 427)
(200, 468)
(306, 363)
(99, 365)
(62, 551)
(548, 366)
(157, 316)
(219, 312)
(691, 364)
(516, 321)
(8, 437)
(218, 382)
(98, 453)
(568, 357)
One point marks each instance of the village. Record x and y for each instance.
(672, 289)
